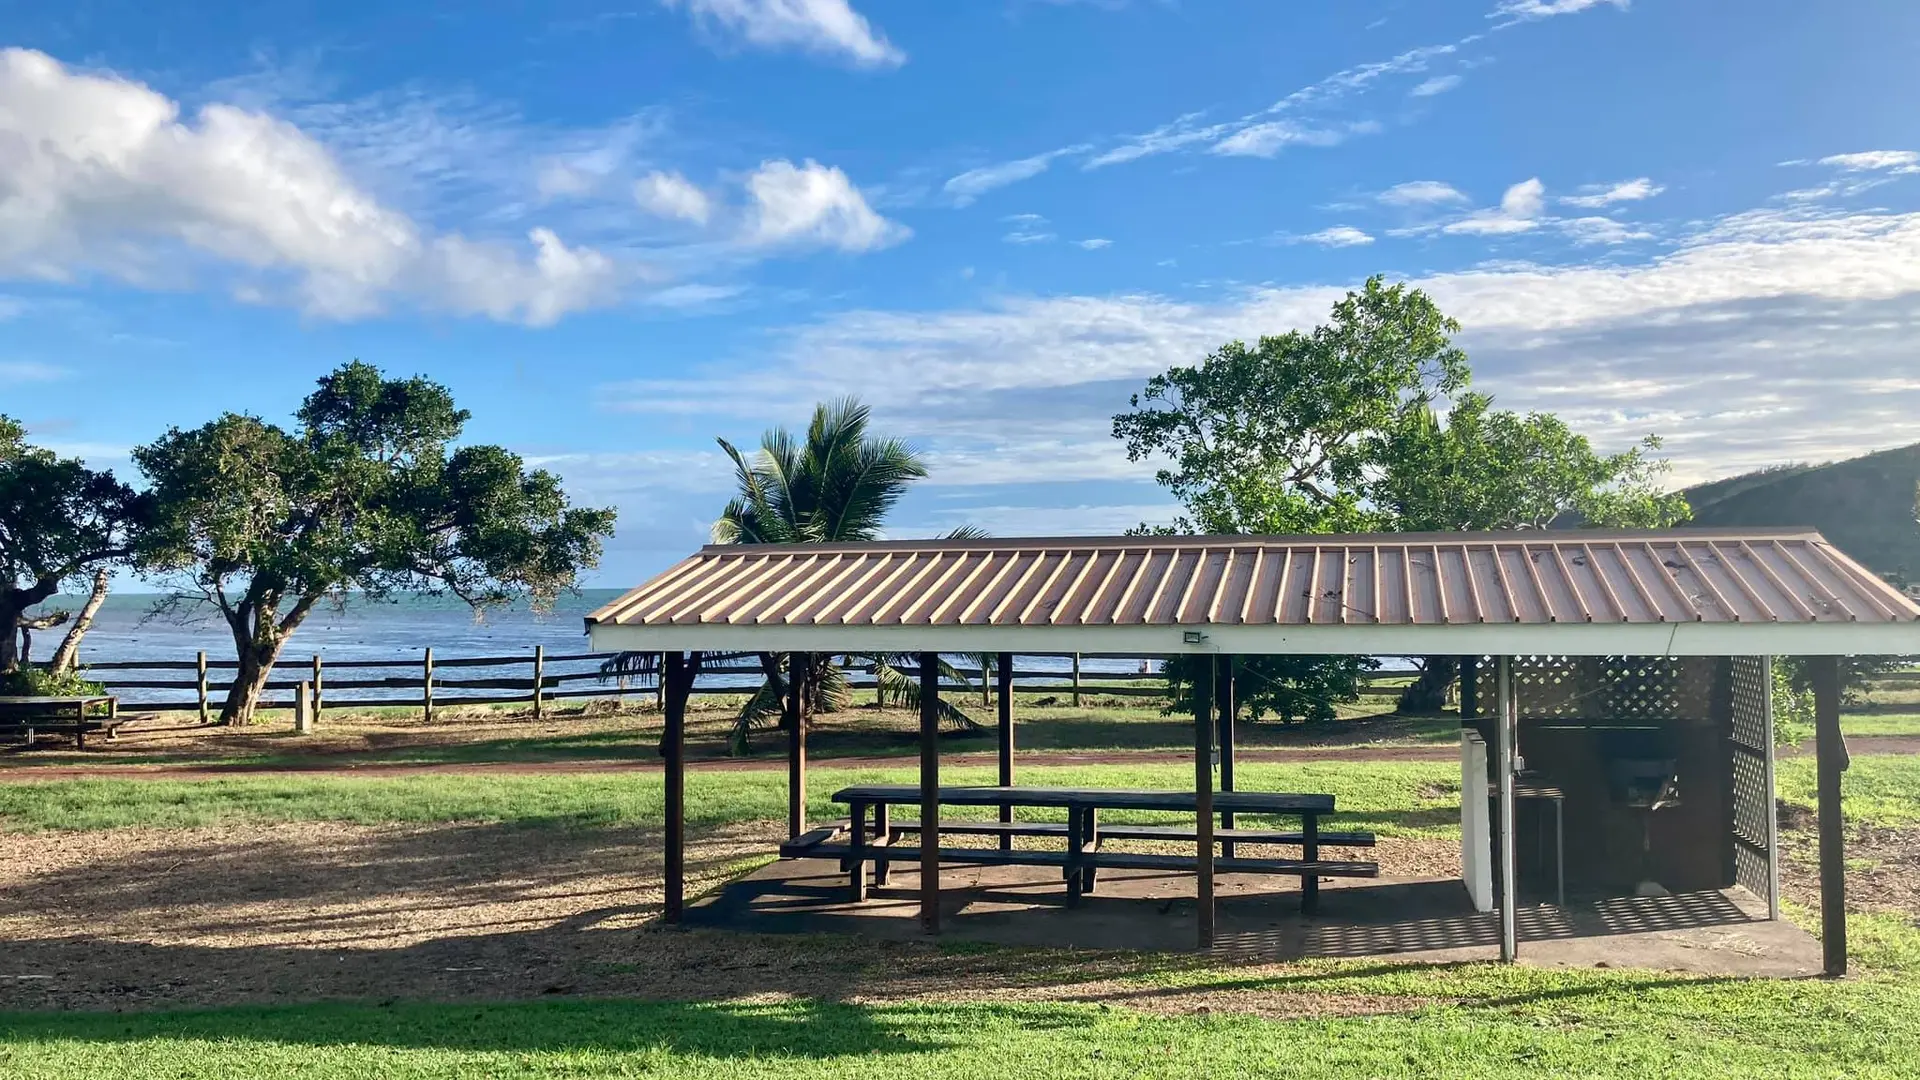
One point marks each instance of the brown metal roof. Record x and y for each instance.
(1400, 580)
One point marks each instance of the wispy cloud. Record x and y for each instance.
(824, 27)
(1439, 84)
(1894, 161)
(968, 186)
(31, 371)
(1759, 337)
(1270, 138)
(1530, 10)
(1027, 229)
(1595, 196)
(1421, 193)
(1093, 243)
(1336, 237)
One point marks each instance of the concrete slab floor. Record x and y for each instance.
(1417, 920)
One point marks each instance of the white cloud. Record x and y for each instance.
(1595, 196)
(1897, 161)
(815, 204)
(1439, 84)
(101, 176)
(1093, 243)
(1182, 132)
(1268, 139)
(1421, 193)
(1599, 230)
(1519, 211)
(825, 27)
(31, 371)
(670, 195)
(1337, 236)
(1760, 337)
(491, 279)
(970, 185)
(1528, 10)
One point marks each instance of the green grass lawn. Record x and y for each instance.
(1391, 798)
(1472, 1020)
(1398, 798)
(1479, 1020)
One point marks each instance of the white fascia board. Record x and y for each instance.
(1492, 639)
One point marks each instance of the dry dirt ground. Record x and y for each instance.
(146, 918)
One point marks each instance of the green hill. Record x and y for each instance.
(1865, 505)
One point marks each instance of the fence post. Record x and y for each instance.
(303, 708)
(660, 684)
(426, 684)
(200, 682)
(316, 687)
(1076, 680)
(539, 680)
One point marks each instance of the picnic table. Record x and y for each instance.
(871, 838)
(63, 715)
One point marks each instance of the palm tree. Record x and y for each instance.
(836, 485)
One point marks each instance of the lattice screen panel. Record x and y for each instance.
(1608, 687)
(1750, 741)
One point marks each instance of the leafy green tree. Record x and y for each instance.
(1278, 438)
(59, 522)
(364, 498)
(1366, 423)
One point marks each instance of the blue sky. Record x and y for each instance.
(617, 231)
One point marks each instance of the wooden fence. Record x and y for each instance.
(482, 680)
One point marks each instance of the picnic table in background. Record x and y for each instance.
(76, 716)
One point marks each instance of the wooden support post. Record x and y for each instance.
(1831, 761)
(426, 685)
(303, 708)
(1003, 673)
(539, 681)
(930, 792)
(200, 684)
(319, 683)
(1203, 799)
(795, 717)
(1223, 694)
(660, 683)
(677, 681)
(1076, 680)
(1503, 772)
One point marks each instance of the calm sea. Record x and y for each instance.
(128, 629)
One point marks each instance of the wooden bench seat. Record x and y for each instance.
(1170, 833)
(1133, 860)
(1232, 836)
(31, 730)
(987, 856)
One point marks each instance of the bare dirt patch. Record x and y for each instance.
(148, 918)
(1883, 867)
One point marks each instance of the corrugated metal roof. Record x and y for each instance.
(1401, 580)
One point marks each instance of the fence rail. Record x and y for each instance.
(309, 684)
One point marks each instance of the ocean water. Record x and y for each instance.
(128, 629)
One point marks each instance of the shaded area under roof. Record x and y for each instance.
(1578, 591)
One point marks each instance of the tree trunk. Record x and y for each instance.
(13, 603)
(249, 682)
(67, 656)
(1428, 693)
